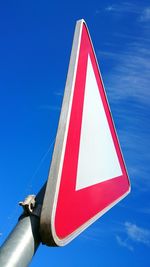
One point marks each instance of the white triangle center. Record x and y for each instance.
(97, 160)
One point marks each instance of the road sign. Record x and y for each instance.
(87, 174)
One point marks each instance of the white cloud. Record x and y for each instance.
(111, 8)
(130, 76)
(124, 7)
(133, 234)
(137, 234)
(146, 14)
(124, 243)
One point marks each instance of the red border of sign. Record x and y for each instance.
(72, 211)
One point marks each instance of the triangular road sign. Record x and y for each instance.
(87, 174)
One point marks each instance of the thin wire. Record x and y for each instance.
(30, 183)
(10, 219)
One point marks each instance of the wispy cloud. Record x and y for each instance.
(134, 132)
(145, 15)
(145, 210)
(132, 235)
(128, 235)
(49, 107)
(133, 38)
(111, 8)
(141, 12)
(130, 77)
(98, 232)
(128, 88)
(124, 243)
(58, 93)
(124, 7)
(127, 84)
(137, 234)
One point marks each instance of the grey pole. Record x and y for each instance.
(22, 243)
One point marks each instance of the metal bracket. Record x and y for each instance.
(30, 206)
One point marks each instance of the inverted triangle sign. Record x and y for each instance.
(87, 175)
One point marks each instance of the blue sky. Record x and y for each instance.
(35, 44)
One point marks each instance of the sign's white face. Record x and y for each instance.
(98, 160)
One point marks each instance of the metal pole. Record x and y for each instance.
(22, 243)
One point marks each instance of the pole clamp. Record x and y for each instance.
(30, 206)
